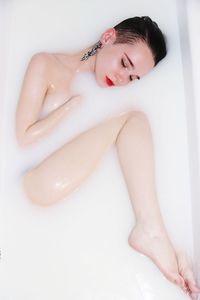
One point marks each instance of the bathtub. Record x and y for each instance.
(78, 249)
(189, 25)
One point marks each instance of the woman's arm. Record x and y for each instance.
(29, 128)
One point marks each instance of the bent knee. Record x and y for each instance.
(34, 192)
(40, 192)
(138, 114)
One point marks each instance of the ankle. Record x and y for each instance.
(151, 228)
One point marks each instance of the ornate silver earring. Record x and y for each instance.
(93, 51)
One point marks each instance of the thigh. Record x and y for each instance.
(64, 170)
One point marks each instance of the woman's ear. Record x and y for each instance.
(108, 37)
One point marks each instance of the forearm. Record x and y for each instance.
(43, 127)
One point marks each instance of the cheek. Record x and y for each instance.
(107, 63)
(101, 66)
(107, 60)
(108, 67)
(99, 71)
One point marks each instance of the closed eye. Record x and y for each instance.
(123, 64)
(132, 65)
(132, 78)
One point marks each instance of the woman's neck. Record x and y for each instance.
(76, 65)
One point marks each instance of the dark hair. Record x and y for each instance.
(142, 28)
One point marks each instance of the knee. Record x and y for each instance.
(33, 191)
(40, 192)
(138, 115)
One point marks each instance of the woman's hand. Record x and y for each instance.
(44, 126)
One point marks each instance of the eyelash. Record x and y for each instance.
(123, 64)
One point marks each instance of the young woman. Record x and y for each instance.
(123, 54)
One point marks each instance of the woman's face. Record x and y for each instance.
(119, 64)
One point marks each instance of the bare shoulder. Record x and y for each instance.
(53, 62)
(41, 60)
(45, 66)
(48, 68)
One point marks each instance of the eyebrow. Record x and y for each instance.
(138, 77)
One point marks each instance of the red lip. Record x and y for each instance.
(109, 81)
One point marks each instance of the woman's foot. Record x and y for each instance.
(156, 245)
(188, 275)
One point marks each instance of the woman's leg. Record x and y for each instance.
(135, 151)
(149, 236)
(64, 171)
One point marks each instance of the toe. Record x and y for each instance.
(190, 281)
(193, 296)
(193, 288)
(179, 280)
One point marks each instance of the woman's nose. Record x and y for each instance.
(122, 77)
